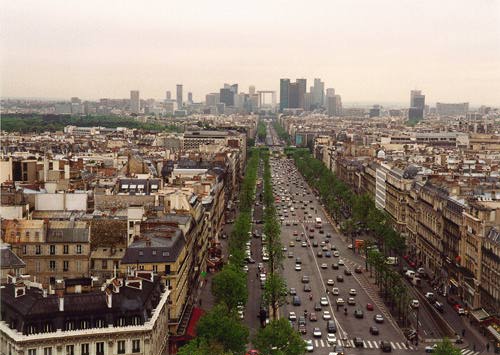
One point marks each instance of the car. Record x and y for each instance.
(349, 246)
(245, 268)
(351, 301)
(374, 330)
(430, 348)
(293, 291)
(358, 313)
(331, 327)
(302, 329)
(309, 346)
(304, 244)
(335, 253)
(335, 291)
(439, 306)
(358, 270)
(340, 301)
(319, 254)
(295, 233)
(459, 309)
(298, 239)
(430, 296)
(328, 235)
(317, 306)
(327, 315)
(252, 352)
(292, 316)
(385, 346)
(414, 304)
(352, 292)
(331, 338)
(298, 260)
(315, 244)
(324, 266)
(284, 249)
(333, 247)
(305, 279)
(296, 301)
(292, 243)
(358, 342)
(325, 248)
(307, 288)
(323, 301)
(313, 317)
(341, 262)
(317, 332)
(369, 307)
(340, 278)
(328, 254)
(330, 282)
(335, 266)
(298, 267)
(347, 272)
(339, 349)
(378, 318)
(290, 254)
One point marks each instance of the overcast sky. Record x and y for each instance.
(368, 50)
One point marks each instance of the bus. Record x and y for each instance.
(318, 222)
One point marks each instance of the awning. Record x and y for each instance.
(494, 333)
(193, 321)
(480, 315)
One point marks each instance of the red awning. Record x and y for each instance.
(195, 316)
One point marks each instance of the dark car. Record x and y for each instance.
(335, 266)
(374, 330)
(358, 270)
(331, 327)
(358, 342)
(320, 254)
(358, 313)
(340, 278)
(385, 346)
(296, 301)
(302, 329)
(439, 306)
(298, 260)
(328, 254)
(317, 306)
(339, 349)
(302, 320)
(315, 244)
(328, 235)
(347, 272)
(307, 288)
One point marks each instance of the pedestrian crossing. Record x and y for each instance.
(469, 352)
(297, 221)
(367, 344)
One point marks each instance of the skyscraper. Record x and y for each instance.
(293, 95)
(168, 95)
(302, 84)
(417, 99)
(179, 96)
(284, 93)
(135, 102)
(318, 93)
(251, 90)
(190, 97)
(228, 93)
(330, 92)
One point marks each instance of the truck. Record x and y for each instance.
(392, 260)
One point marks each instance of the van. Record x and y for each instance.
(296, 301)
(331, 327)
(410, 274)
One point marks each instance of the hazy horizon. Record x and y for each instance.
(371, 52)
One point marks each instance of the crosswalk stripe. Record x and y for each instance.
(404, 346)
(322, 344)
(316, 343)
(370, 344)
(468, 352)
(364, 344)
(328, 344)
(399, 347)
(375, 343)
(393, 345)
(352, 343)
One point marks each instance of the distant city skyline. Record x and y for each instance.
(369, 51)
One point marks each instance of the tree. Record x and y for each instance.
(275, 292)
(446, 348)
(220, 326)
(230, 287)
(199, 346)
(279, 338)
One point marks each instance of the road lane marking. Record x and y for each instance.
(393, 346)
(316, 342)
(322, 344)
(399, 347)
(364, 344)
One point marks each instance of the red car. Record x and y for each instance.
(369, 307)
(252, 352)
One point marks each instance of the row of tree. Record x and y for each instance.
(261, 131)
(357, 214)
(281, 132)
(220, 331)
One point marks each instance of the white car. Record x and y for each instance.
(330, 282)
(341, 262)
(298, 267)
(415, 303)
(309, 346)
(292, 316)
(241, 315)
(336, 253)
(327, 315)
(331, 339)
(349, 246)
(265, 257)
(335, 291)
(352, 292)
(245, 268)
(304, 244)
(351, 301)
(317, 333)
(323, 301)
(324, 266)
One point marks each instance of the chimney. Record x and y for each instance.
(61, 303)
(109, 298)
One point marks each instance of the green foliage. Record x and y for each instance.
(282, 134)
(199, 346)
(261, 131)
(230, 287)
(26, 123)
(446, 348)
(218, 326)
(275, 292)
(279, 338)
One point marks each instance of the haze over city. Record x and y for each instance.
(373, 52)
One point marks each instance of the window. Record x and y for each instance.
(78, 248)
(85, 349)
(47, 351)
(31, 351)
(121, 346)
(154, 252)
(70, 350)
(121, 321)
(25, 249)
(52, 265)
(167, 269)
(141, 267)
(27, 234)
(38, 250)
(37, 265)
(99, 348)
(66, 249)
(37, 234)
(104, 264)
(131, 224)
(52, 250)
(65, 265)
(78, 266)
(31, 329)
(155, 268)
(99, 323)
(136, 345)
(141, 252)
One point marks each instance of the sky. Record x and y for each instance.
(368, 50)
